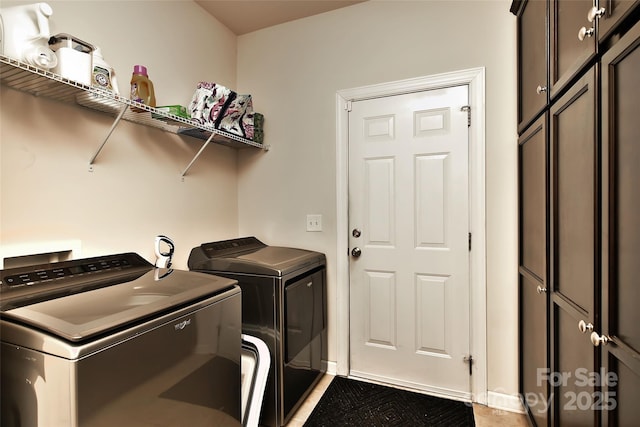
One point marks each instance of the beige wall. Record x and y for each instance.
(294, 70)
(135, 192)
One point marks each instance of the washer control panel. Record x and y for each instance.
(35, 277)
(231, 247)
(24, 285)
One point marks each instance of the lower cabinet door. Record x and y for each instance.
(534, 371)
(574, 365)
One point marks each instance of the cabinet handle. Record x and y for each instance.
(541, 290)
(594, 13)
(584, 32)
(541, 89)
(584, 326)
(596, 339)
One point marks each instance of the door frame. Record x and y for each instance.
(475, 79)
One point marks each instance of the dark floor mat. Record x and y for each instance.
(356, 403)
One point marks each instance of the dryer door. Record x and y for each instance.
(304, 312)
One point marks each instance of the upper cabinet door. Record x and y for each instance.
(573, 41)
(609, 13)
(532, 61)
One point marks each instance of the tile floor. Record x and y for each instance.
(484, 416)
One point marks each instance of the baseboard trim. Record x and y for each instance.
(332, 368)
(504, 402)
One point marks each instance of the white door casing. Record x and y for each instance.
(427, 285)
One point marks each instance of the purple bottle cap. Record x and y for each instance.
(140, 69)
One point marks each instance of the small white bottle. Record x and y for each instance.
(103, 75)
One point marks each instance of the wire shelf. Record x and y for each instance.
(27, 78)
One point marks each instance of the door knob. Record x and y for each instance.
(596, 339)
(356, 252)
(584, 33)
(356, 232)
(584, 326)
(594, 13)
(541, 290)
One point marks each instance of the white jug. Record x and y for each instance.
(24, 32)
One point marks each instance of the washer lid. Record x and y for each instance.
(265, 260)
(275, 260)
(82, 316)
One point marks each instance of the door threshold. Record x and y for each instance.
(412, 386)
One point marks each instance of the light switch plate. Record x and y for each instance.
(314, 222)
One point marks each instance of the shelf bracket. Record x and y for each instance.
(106, 138)
(184, 172)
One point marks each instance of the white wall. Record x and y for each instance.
(135, 192)
(294, 70)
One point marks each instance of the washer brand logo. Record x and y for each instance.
(180, 326)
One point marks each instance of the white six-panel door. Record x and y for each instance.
(409, 218)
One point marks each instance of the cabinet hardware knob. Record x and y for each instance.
(541, 290)
(584, 33)
(584, 326)
(594, 13)
(356, 252)
(596, 339)
(541, 89)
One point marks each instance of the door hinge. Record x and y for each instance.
(469, 359)
(467, 108)
(347, 106)
(469, 242)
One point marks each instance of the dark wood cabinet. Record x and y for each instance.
(619, 329)
(533, 328)
(532, 62)
(573, 168)
(570, 50)
(573, 362)
(609, 13)
(533, 331)
(579, 213)
(574, 258)
(533, 200)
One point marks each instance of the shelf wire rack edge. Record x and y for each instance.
(38, 82)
